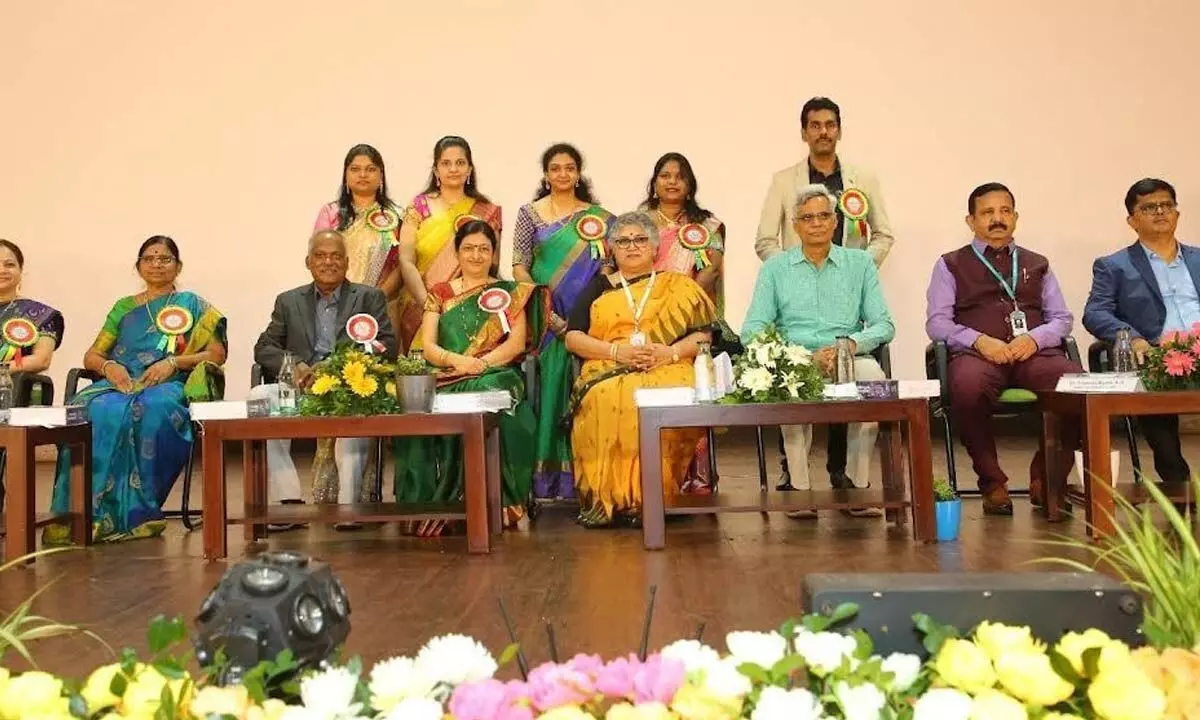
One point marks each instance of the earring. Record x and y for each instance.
(545, 184)
(439, 182)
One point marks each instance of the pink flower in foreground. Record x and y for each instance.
(552, 685)
(1195, 348)
(659, 679)
(1178, 363)
(1169, 337)
(590, 664)
(490, 699)
(616, 678)
(1196, 329)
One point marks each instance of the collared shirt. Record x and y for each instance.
(939, 309)
(326, 322)
(1178, 291)
(834, 184)
(813, 306)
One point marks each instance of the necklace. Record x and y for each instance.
(673, 222)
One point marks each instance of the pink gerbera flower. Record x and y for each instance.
(1178, 363)
(1168, 337)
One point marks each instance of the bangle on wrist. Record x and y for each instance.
(174, 363)
(104, 367)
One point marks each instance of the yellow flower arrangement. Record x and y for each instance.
(324, 384)
(351, 382)
(1176, 672)
(1029, 677)
(964, 666)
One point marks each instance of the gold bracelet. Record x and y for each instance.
(105, 365)
(612, 351)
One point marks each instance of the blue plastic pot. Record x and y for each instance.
(947, 515)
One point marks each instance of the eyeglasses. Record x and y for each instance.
(160, 260)
(627, 242)
(810, 218)
(1161, 208)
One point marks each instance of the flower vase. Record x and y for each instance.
(947, 515)
(415, 393)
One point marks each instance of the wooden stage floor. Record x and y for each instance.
(735, 572)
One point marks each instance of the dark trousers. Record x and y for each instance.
(1162, 434)
(975, 385)
(835, 450)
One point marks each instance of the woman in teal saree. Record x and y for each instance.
(158, 351)
(558, 243)
(476, 329)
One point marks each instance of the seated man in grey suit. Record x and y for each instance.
(309, 322)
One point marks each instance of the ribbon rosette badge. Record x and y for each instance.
(384, 220)
(496, 301)
(853, 204)
(593, 229)
(697, 238)
(172, 321)
(363, 329)
(20, 332)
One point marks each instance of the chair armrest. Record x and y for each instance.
(73, 378)
(1100, 357)
(937, 367)
(23, 385)
(883, 355)
(1072, 349)
(256, 375)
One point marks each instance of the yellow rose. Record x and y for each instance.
(272, 709)
(642, 711)
(1073, 644)
(96, 690)
(693, 702)
(995, 705)
(220, 701)
(1126, 695)
(1031, 679)
(31, 693)
(1060, 716)
(144, 694)
(997, 639)
(964, 666)
(566, 712)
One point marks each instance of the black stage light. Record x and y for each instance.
(280, 600)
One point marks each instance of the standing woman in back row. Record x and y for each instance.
(559, 241)
(427, 255)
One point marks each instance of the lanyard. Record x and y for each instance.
(1010, 289)
(640, 308)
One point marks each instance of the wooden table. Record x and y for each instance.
(908, 416)
(481, 455)
(1095, 412)
(21, 516)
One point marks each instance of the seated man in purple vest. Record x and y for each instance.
(1001, 313)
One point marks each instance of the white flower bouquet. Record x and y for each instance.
(771, 370)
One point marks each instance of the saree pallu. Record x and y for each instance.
(564, 262)
(141, 440)
(24, 322)
(430, 469)
(436, 260)
(604, 435)
(674, 257)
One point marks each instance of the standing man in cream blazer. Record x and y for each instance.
(862, 222)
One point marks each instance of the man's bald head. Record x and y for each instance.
(327, 238)
(327, 259)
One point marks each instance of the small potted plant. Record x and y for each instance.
(416, 383)
(947, 510)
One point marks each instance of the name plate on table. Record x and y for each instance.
(1084, 383)
(841, 391)
(230, 409)
(471, 402)
(56, 416)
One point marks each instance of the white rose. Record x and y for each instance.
(863, 702)
(756, 380)
(759, 648)
(823, 652)
(725, 681)
(397, 679)
(762, 356)
(330, 694)
(798, 355)
(417, 709)
(904, 669)
(943, 704)
(694, 655)
(455, 659)
(775, 703)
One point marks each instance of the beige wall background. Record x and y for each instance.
(223, 124)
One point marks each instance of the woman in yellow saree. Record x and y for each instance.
(636, 328)
(427, 255)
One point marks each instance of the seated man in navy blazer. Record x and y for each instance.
(1149, 288)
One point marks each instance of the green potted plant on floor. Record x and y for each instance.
(416, 383)
(947, 510)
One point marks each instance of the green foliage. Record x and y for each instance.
(351, 382)
(414, 364)
(772, 370)
(1154, 373)
(942, 491)
(20, 626)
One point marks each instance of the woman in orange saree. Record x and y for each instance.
(636, 328)
(427, 256)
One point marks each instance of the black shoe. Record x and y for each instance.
(840, 481)
(785, 482)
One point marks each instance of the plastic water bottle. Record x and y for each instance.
(844, 369)
(287, 385)
(1123, 357)
(6, 388)
(706, 376)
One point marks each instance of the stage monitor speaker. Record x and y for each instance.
(1050, 603)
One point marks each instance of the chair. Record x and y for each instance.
(23, 387)
(183, 513)
(1100, 361)
(1012, 401)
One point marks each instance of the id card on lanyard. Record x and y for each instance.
(1016, 319)
(638, 338)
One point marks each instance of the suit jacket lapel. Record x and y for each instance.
(347, 306)
(1191, 258)
(308, 316)
(1137, 256)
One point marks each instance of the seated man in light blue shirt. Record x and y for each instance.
(815, 293)
(1150, 289)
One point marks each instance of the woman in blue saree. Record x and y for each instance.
(158, 351)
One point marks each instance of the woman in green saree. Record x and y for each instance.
(476, 329)
(158, 351)
(558, 243)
